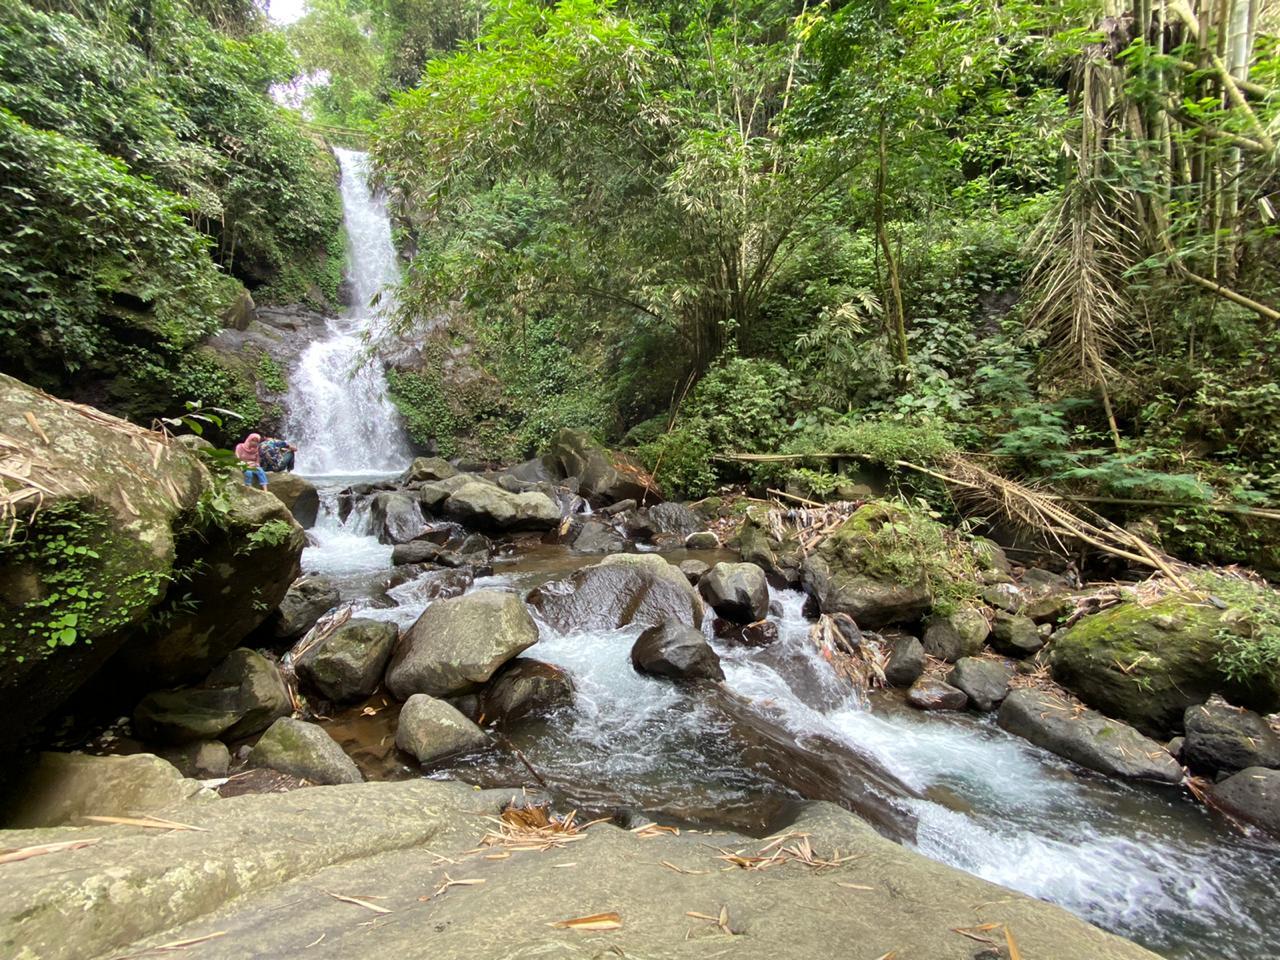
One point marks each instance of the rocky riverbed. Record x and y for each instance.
(554, 626)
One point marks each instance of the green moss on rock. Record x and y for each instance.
(1146, 665)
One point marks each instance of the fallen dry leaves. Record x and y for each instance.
(41, 849)
(596, 921)
(365, 902)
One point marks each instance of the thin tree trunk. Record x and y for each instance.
(894, 313)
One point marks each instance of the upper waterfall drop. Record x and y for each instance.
(340, 414)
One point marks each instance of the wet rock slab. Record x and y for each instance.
(258, 859)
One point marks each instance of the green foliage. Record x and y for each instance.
(420, 399)
(61, 551)
(879, 440)
(270, 534)
(142, 161)
(680, 461)
(270, 375)
(1250, 631)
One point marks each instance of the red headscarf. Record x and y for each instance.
(247, 452)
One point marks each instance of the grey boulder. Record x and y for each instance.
(738, 592)
(458, 644)
(930, 693)
(348, 663)
(492, 508)
(304, 750)
(396, 516)
(1253, 794)
(622, 589)
(675, 649)
(201, 759)
(906, 661)
(1015, 635)
(1087, 738)
(243, 695)
(522, 688)
(986, 682)
(958, 634)
(1223, 738)
(430, 729)
(309, 598)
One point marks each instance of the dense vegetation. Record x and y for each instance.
(146, 175)
(1045, 233)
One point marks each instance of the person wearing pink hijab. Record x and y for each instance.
(247, 454)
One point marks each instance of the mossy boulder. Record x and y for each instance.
(348, 664)
(1146, 665)
(884, 565)
(304, 750)
(104, 519)
(603, 476)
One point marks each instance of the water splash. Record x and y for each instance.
(339, 410)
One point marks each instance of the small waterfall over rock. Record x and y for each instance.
(339, 411)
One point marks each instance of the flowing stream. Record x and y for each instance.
(1144, 863)
(339, 410)
(1141, 862)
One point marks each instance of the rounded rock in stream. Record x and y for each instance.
(1221, 737)
(396, 517)
(737, 591)
(675, 649)
(930, 693)
(348, 663)
(430, 729)
(622, 589)
(298, 494)
(959, 634)
(1253, 794)
(524, 687)
(460, 643)
(239, 698)
(309, 598)
(1015, 635)
(304, 750)
(985, 682)
(906, 661)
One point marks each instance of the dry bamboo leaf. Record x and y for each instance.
(596, 921)
(563, 866)
(1014, 952)
(969, 932)
(314, 942)
(35, 426)
(854, 886)
(39, 850)
(358, 901)
(651, 830)
(887, 956)
(701, 916)
(152, 823)
(173, 945)
(692, 873)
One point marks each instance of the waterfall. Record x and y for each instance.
(339, 412)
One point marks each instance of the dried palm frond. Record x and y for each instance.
(532, 827)
(860, 661)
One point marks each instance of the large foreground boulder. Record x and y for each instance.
(430, 730)
(224, 888)
(1146, 665)
(348, 663)
(458, 644)
(1087, 737)
(113, 506)
(865, 570)
(242, 696)
(674, 649)
(603, 477)
(242, 566)
(738, 592)
(303, 750)
(622, 589)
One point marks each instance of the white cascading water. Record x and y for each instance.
(339, 412)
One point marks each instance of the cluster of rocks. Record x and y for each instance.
(1114, 691)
